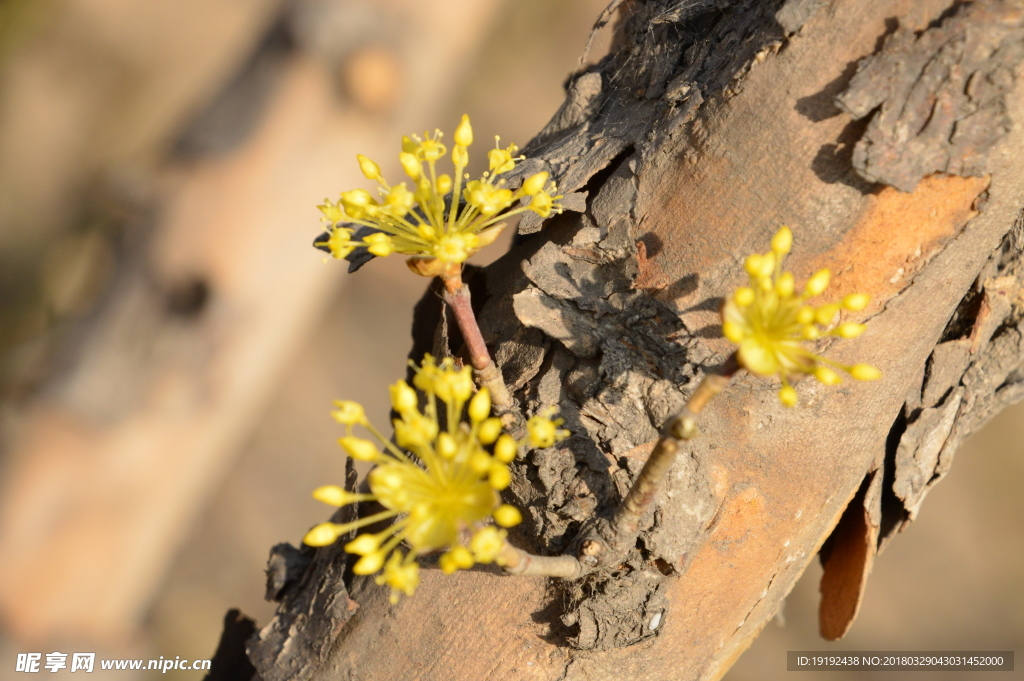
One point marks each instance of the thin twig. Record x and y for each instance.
(456, 294)
(681, 427)
(522, 564)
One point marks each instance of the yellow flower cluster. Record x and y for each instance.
(428, 221)
(771, 322)
(443, 484)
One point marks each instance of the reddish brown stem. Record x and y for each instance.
(456, 294)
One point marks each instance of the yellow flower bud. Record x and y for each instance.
(364, 544)
(411, 165)
(505, 450)
(356, 197)
(464, 132)
(865, 372)
(399, 200)
(785, 285)
(733, 331)
(486, 544)
(851, 329)
(370, 169)
(446, 446)
(480, 406)
(760, 266)
(323, 534)
(490, 430)
(787, 395)
(543, 431)
(535, 183)
(753, 264)
(856, 301)
(782, 242)
(403, 398)
(507, 515)
(805, 315)
(817, 284)
(447, 565)
(744, 296)
(444, 184)
(826, 313)
(500, 477)
(358, 448)
(826, 375)
(369, 563)
(462, 384)
(333, 495)
(380, 244)
(480, 462)
(462, 557)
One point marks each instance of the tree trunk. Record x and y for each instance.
(883, 133)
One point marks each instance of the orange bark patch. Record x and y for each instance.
(899, 233)
(724, 564)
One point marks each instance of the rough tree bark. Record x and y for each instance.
(888, 135)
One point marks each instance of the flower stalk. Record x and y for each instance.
(456, 295)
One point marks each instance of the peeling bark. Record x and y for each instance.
(709, 126)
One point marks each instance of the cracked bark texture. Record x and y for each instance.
(888, 135)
